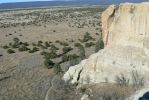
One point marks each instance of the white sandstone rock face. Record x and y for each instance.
(126, 37)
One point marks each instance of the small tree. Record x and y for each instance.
(10, 51)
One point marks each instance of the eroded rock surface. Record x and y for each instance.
(126, 36)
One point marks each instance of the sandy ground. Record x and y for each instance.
(22, 74)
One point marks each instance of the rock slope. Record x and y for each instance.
(126, 37)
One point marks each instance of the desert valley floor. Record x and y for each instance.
(28, 33)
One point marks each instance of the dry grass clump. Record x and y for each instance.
(107, 91)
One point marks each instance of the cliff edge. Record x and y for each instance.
(125, 31)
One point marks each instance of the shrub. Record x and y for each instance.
(10, 51)
(35, 49)
(99, 45)
(57, 68)
(89, 44)
(25, 44)
(43, 53)
(74, 60)
(54, 30)
(50, 55)
(39, 43)
(15, 45)
(122, 80)
(23, 48)
(5, 47)
(70, 57)
(66, 49)
(34, 44)
(65, 58)
(47, 44)
(77, 44)
(16, 40)
(87, 37)
(48, 63)
(64, 43)
(54, 48)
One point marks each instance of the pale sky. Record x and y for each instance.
(6, 1)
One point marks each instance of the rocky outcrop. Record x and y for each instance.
(126, 38)
(106, 20)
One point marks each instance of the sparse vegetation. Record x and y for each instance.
(99, 45)
(37, 30)
(23, 48)
(89, 44)
(122, 80)
(87, 37)
(67, 49)
(57, 68)
(48, 63)
(10, 51)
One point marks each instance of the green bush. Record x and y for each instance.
(35, 49)
(87, 37)
(16, 40)
(57, 68)
(34, 44)
(65, 58)
(54, 48)
(74, 59)
(5, 47)
(43, 53)
(23, 48)
(77, 44)
(50, 55)
(15, 45)
(89, 44)
(48, 63)
(39, 43)
(47, 44)
(64, 43)
(25, 44)
(70, 57)
(67, 49)
(10, 51)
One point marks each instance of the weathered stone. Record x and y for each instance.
(126, 36)
(85, 97)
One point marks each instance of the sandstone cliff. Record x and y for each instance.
(126, 38)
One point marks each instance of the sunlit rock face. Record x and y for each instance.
(126, 37)
(130, 26)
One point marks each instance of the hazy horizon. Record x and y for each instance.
(15, 1)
